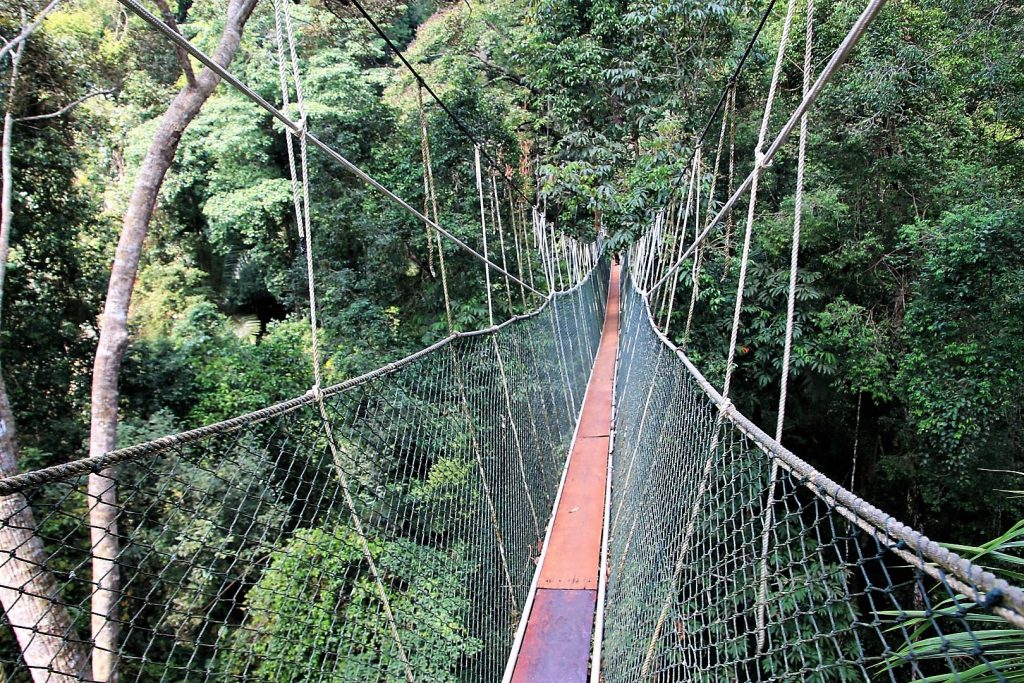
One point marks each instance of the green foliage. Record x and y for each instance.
(231, 377)
(964, 320)
(910, 298)
(854, 339)
(320, 580)
(956, 629)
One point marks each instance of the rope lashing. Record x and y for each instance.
(823, 620)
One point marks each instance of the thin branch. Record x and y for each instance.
(186, 65)
(65, 109)
(502, 72)
(28, 30)
(6, 172)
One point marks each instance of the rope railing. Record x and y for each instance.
(849, 593)
(241, 554)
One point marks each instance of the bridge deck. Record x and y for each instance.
(556, 645)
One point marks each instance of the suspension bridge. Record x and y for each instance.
(560, 497)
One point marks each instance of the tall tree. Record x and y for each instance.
(29, 597)
(114, 336)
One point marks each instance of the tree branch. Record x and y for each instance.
(28, 30)
(186, 65)
(481, 57)
(65, 109)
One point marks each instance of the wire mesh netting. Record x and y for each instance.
(241, 557)
(845, 593)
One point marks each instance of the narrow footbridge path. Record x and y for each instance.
(560, 622)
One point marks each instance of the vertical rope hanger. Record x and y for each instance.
(695, 292)
(759, 166)
(301, 204)
(787, 348)
(731, 113)
(687, 537)
(556, 259)
(431, 192)
(496, 213)
(540, 237)
(669, 233)
(669, 294)
(483, 232)
(519, 248)
(428, 197)
(698, 172)
(525, 235)
(516, 441)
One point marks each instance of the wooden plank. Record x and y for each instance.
(556, 647)
(574, 551)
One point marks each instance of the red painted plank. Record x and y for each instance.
(574, 550)
(597, 415)
(556, 647)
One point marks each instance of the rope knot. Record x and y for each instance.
(759, 159)
(992, 599)
(316, 392)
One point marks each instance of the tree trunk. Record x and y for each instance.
(28, 590)
(103, 511)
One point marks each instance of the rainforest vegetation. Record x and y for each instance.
(908, 379)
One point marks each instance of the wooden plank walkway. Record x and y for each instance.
(557, 641)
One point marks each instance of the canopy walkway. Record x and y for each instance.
(559, 497)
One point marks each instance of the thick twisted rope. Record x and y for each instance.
(787, 347)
